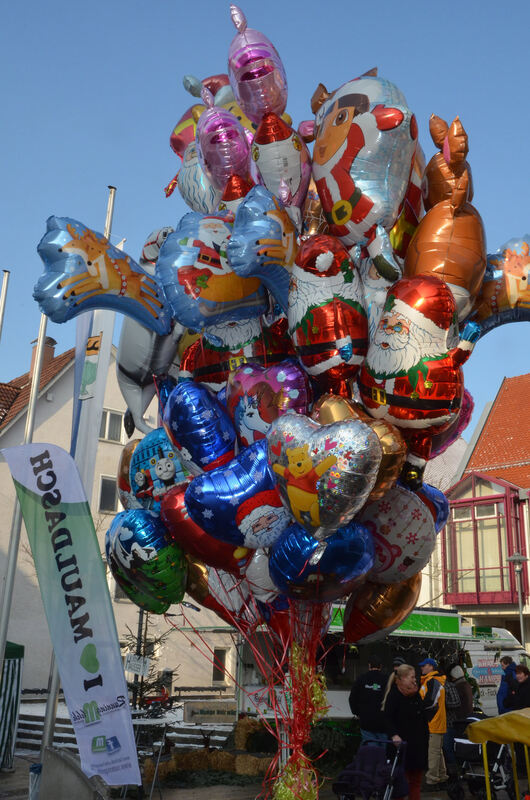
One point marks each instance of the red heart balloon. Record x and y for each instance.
(197, 542)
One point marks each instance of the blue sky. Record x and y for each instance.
(93, 90)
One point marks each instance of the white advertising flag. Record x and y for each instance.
(78, 608)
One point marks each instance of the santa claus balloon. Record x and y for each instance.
(327, 317)
(412, 376)
(261, 519)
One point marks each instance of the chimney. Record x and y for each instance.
(48, 353)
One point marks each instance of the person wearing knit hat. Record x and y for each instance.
(261, 519)
(412, 376)
(459, 706)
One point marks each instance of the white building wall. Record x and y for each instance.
(191, 661)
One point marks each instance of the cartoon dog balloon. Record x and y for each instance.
(366, 139)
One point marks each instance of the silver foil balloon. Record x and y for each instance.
(324, 472)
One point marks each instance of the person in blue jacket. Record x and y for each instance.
(507, 685)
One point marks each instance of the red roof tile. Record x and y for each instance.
(503, 447)
(14, 396)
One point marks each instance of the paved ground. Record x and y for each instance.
(15, 786)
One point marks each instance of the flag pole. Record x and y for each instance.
(87, 477)
(3, 296)
(16, 522)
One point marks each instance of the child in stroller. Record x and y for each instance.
(376, 772)
(471, 766)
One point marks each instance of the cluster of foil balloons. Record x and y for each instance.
(305, 325)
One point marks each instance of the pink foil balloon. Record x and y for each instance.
(255, 70)
(222, 146)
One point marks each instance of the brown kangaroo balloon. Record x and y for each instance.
(449, 242)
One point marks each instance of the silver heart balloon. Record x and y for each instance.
(324, 472)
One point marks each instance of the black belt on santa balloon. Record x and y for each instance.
(237, 361)
(324, 347)
(383, 398)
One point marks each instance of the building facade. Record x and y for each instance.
(185, 656)
(481, 559)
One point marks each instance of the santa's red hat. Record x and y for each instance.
(427, 302)
(272, 128)
(255, 507)
(323, 255)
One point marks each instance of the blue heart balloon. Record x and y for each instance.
(239, 503)
(164, 386)
(82, 271)
(139, 543)
(302, 567)
(199, 427)
(154, 469)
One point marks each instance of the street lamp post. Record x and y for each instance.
(517, 559)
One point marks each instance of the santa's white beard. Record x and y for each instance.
(233, 337)
(196, 189)
(404, 351)
(312, 290)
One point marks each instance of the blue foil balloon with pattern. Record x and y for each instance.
(200, 286)
(142, 599)
(154, 469)
(437, 502)
(164, 386)
(199, 427)
(239, 503)
(301, 567)
(139, 543)
(264, 243)
(83, 271)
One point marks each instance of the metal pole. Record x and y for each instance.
(110, 211)
(16, 523)
(51, 707)
(53, 679)
(139, 636)
(3, 296)
(519, 571)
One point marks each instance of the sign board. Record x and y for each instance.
(486, 671)
(138, 665)
(210, 711)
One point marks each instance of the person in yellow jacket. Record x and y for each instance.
(432, 690)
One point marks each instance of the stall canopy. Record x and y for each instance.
(505, 729)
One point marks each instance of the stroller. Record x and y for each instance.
(471, 767)
(376, 772)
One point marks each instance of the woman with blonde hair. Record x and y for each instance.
(407, 720)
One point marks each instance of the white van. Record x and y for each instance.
(437, 632)
(486, 647)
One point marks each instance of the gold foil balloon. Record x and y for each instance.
(313, 215)
(124, 487)
(375, 610)
(333, 408)
(197, 583)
